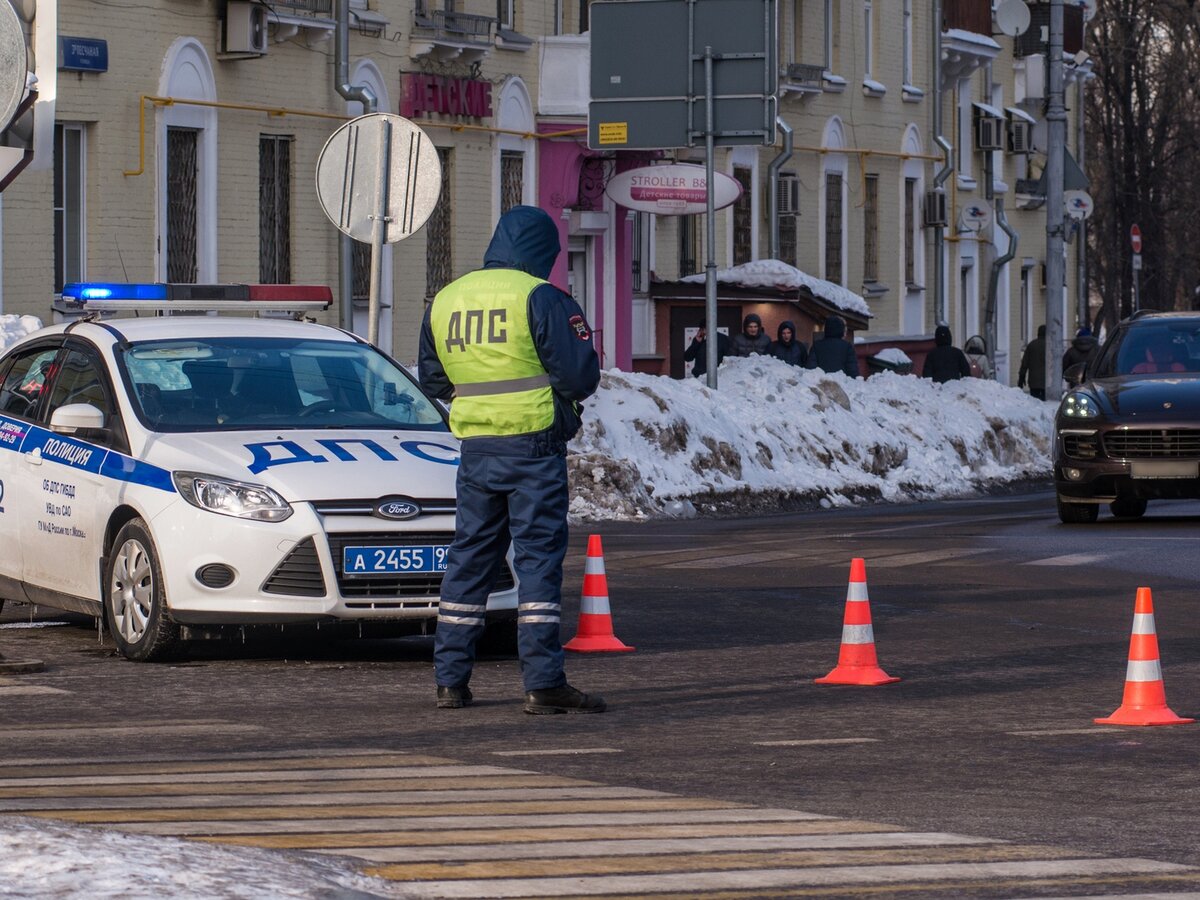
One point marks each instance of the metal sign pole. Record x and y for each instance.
(379, 225)
(710, 263)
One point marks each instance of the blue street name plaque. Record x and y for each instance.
(76, 54)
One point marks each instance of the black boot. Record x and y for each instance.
(453, 697)
(565, 699)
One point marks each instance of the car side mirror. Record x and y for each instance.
(75, 417)
(1076, 374)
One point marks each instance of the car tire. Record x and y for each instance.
(1077, 513)
(1128, 508)
(135, 605)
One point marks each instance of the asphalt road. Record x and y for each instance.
(1009, 631)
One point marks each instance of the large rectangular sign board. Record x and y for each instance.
(648, 73)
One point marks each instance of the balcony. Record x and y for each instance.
(1035, 41)
(801, 79)
(967, 42)
(446, 34)
(312, 7)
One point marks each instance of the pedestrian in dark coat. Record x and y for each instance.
(697, 351)
(834, 353)
(1033, 365)
(945, 362)
(787, 348)
(752, 339)
(1084, 349)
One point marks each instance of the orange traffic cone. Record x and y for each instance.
(857, 663)
(1145, 700)
(595, 618)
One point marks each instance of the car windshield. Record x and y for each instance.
(232, 384)
(1153, 348)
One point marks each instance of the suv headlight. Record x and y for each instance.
(1078, 405)
(231, 498)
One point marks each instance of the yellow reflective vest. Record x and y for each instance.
(480, 327)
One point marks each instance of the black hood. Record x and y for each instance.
(783, 325)
(942, 336)
(753, 317)
(835, 327)
(526, 239)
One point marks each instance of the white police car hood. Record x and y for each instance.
(321, 464)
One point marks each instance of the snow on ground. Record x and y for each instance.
(771, 432)
(772, 273)
(42, 860)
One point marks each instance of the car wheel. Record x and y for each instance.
(1128, 508)
(135, 607)
(1077, 513)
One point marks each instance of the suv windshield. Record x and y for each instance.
(1153, 348)
(230, 384)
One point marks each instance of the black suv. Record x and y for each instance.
(1128, 431)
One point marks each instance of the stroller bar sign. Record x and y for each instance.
(671, 190)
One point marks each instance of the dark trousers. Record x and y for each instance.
(1040, 393)
(525, 498)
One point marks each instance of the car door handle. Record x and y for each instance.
(34, 458)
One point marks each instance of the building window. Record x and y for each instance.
(788, 240)
(182, 175)
(69, 213)
(360, 272)
(584, 15)
(908, 42)
(797, 54)
(833, 227)
(640, 252)
(832, 34)
(868, 39)
(743, 219)
(689, 234)
(506, 14)
(439, 266)
(910, 231)
(512, 177)
(871, 228)
(274, 209)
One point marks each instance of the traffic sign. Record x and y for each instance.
(349, 179)
(1137, 262)
(1135, 238)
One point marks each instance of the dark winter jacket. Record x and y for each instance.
(743, 345)
(790, 351)
(526, 238)
(1033, 362)
(697, 353)
(834, 353)
(945, 362)
(1084, 349)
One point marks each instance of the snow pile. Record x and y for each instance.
(893, 355)
(652, 446)
(53, 860)
(772, 273)
(13, 328)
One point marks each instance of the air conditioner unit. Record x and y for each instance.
(245, 28)
(989, 133)
(789, 194)
(935, 209)
(1020, 137)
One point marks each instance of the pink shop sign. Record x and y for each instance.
(671, 190)
(443, 95)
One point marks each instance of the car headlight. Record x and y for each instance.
(1078, 405)
(231, 498)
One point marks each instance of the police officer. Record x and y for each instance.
(516, 356)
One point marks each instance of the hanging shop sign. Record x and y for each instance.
(447, 96)
(672, 190)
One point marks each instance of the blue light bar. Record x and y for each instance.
(96, 290)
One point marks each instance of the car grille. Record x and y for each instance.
(376, 587)
(1157, 443)
(366, 507)
(299, 575)
(1080, 446)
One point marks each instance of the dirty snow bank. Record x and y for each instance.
(652, 446)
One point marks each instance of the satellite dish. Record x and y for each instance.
(1013, 17)
(14, 69)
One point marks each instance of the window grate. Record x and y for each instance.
(274, 209)
(512, 179)
(910, 229)
(833, 227)
(743, 247)
(182, 177)
(871, 228)
(69, 217)
(439, 268)
(689, 232)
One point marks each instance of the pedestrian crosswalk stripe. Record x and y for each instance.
(1070, 559)
(29, 690)
(577, 751)
(924, 557)
(94, 731)
(439, 828)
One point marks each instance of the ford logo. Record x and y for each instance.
(397, 508)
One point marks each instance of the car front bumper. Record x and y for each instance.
(1085, 472)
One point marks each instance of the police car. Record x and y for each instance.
(174, 472)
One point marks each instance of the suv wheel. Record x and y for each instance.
(135, 607)
(1076, 513)
(1128, 508)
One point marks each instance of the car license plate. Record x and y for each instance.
(413, 559)
(1164, 468)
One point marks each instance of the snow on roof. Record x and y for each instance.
(774, 273)
(969, 37)
(13, 328)
(893, 355)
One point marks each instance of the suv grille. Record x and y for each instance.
(396, 586)
(1080, 446)
(1158, 443)
(299, 574)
